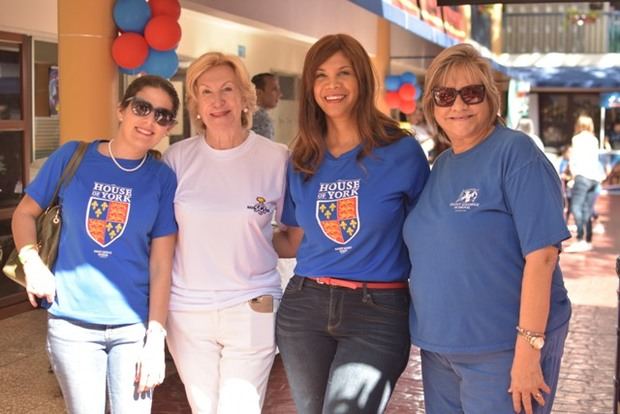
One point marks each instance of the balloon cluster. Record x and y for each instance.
(401, 92)
(149, 35)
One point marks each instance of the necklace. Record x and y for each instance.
(120, 166)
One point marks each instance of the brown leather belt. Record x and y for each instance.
(352, 284)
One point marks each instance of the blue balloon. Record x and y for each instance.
(408, 77)
(418, 92)
(164, 64)
(133, 71)
(392, 83)
(131, 15)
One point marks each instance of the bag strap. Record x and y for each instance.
(70, 169)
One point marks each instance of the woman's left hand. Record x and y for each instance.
(527, 381)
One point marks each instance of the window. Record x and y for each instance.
(15, 118)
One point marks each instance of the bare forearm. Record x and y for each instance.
(286, 242)
(162, 252)
(23, 223)
(536, 289)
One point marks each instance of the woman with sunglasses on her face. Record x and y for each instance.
(489, 308)
(342, 327)
(225, 285)
(107, 295)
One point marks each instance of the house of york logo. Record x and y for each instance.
(336, 210)
(466, 200)
(107, 212)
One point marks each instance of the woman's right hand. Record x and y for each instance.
(40, 282)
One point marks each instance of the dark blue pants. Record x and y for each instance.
(343, 349)
(478, 383)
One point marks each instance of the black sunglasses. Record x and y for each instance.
(470, 94)
(140, 107)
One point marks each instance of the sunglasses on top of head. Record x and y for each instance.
(470, 94)
(164, 117)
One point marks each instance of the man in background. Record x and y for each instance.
(267, 96)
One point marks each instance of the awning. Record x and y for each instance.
(406, 19)
(565, 70)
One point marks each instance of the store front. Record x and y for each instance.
(15, 138)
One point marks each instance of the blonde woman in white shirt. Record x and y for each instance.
(225, 286)
(588, 172)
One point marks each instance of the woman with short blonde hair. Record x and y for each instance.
(225, 285)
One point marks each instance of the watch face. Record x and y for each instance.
(537, 342)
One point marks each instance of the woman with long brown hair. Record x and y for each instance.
(342, 325)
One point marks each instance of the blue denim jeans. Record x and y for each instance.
(584, 194)
(88, 359)
(478, 383)
(343, 349)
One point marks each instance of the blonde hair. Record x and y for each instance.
(208, 61)
(464, 57)
(584, 123)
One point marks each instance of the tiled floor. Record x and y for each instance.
(586, 383)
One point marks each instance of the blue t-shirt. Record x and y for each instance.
(352, 212)
(109, 219)
(481, 212)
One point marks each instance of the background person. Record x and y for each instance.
(527, 125)
(484, 303)
(588, 173)
(342, 325)
(225, 286)
(108, 291)
(267, 96)
(421, 131)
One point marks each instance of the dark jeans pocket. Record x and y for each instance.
(394, 301)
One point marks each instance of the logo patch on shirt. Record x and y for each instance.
(260, 207)
(107, 213)
(337, 210)
(466, 200)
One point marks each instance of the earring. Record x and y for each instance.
(198, 116)
(245, 110)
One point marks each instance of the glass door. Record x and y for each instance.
(15, 139)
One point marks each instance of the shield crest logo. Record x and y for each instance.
(339, 219)
(106, 220)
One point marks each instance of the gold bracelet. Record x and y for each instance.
(535, 339)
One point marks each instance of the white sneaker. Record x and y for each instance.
(579, 247)
(572, 228)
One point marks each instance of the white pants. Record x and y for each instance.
(223, 357)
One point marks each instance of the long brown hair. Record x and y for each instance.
(376, 129)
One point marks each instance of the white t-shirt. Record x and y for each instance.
(224, 205)
(584, 157)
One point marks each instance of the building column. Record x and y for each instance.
(382, 60)
(88, 77)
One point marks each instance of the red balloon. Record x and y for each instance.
(162, 33)
(407, 107)
(407, 92)
(170, 8)
(392, 100)
(129, 50)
